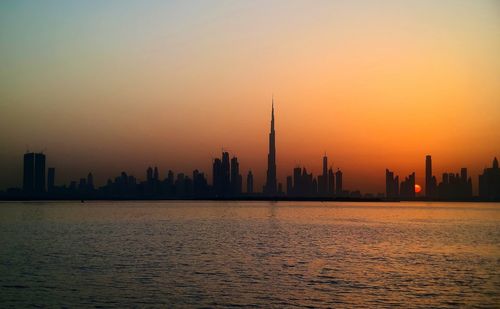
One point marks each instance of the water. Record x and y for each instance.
(228, 254)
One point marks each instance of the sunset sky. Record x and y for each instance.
(111, 86)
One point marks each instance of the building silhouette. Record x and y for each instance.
(331, 182)
(455, 186)
(250, 182)
(217, 176)
(227, 182)
(200, 184)
(407, 187)
(304, 184)
(34, 173)
(323, 178)
(391, 185)
(430, 180)
(489, 182)
(236, 179)
(40, 179)
(226, 174)
(338, 183)
(289, 185)
(29, 172)
(51, 177)
(90, 182)
(270, 188)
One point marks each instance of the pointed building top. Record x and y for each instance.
(495, 163)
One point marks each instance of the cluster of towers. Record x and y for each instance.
(302, 183)
(489, 182)
(227, 181)
(172, 186)
(453, 186)
(34, 172)
(395, 190)
(37, 182)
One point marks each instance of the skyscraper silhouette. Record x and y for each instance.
(407, 187)
(270, 188)
(226, 173)
(323, 178)
(51, 176)
(217, 176)
(39, 178)
(29, 172)
(250, 182)
(289, 185)
(149, 174)
(235, 177)
(430, 183)
(90, 181)
(338, 182)
(489, 182)
(331, 182)
(391, 185)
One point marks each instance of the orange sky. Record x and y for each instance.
(115, 86)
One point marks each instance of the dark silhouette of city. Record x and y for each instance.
(227, 183)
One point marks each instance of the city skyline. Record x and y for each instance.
(121, 86)
(227, 182)
(427, 181)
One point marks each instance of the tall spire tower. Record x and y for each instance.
(270, 188)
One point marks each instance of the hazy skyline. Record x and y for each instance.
(121, 85)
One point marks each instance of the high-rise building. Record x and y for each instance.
(338, 182)
(200, 187)
(51, 176)
(428, 176)
(430, 180)
(454, 186)
(90, 182)
(217, 176)
(169, 183)
(149, 174)
(156, 174)
(270, 188)
(226, 173)
(489, 182)
(250, 182)
(391, 185)
(39, 185)
(82, 186)
(297, 181)
(323, 178)
(236, 182)
(289, 185)
(407, 187)
(222, 174)
(29, 172)
(331, 182)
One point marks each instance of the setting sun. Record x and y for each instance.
(418, 188)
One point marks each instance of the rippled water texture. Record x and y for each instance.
(219, 254)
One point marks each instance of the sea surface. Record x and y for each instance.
(249, 254)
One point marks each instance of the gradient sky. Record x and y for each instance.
(106, 86)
